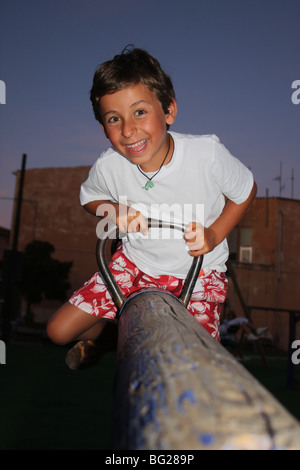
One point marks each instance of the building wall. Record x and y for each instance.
(272, 279)
(51, 212)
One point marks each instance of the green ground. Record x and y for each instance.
(274, 379)
(46, 406)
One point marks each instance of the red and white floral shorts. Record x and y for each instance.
(205, 303)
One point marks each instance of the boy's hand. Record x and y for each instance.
(199, 239)
(130, 220)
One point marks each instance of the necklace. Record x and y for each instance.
(150, 183)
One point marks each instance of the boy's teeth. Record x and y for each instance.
(138, 144)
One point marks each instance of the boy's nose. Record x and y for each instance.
(128, 128)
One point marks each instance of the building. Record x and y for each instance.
(51, 212)
(265, 254)
(265, 249)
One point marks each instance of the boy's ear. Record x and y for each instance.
(170, 117)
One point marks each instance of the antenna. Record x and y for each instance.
(279, 178)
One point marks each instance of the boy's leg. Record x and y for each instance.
(207, 314)
(70, 323)
(90, 310)
(205, 303)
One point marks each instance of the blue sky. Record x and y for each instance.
(232, 63)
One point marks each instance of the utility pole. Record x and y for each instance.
(19, 205)
(12, 267)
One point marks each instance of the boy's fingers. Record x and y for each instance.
(194, 234)
(190, 236)
(196, 252)
(143, 226)
(190, 232)
(191, 227)
(196, 246)
(138, 224)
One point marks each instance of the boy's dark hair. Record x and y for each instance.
(131, 67)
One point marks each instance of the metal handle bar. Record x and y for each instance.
(113, 287)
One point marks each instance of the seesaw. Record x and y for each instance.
(177, 388)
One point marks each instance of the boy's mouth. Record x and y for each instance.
(137, 146)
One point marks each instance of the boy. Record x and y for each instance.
(148, 166)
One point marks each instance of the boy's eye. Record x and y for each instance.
(113, 119)
(140, 112)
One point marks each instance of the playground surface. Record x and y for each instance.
(46, 406)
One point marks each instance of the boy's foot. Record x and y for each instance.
(83, 355)
(86, 354)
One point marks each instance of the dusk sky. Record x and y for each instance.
(232, 62)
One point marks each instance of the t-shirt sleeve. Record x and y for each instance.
(94, 188)
(232, 177)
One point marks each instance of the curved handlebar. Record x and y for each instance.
(113, 287)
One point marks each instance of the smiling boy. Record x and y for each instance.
(134, 102)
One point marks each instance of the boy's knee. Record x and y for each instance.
(56, 334)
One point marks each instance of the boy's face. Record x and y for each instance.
(134, 122)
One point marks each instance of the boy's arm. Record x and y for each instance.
(209, 237)
(91, 207)
(126, 218)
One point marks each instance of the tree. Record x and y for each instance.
(42, 275)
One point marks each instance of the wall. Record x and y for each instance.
(272, 279)
(51, 212)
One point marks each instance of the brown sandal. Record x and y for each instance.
(83, 355)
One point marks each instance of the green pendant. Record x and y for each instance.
(148, 185)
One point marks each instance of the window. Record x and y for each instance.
(245, 252)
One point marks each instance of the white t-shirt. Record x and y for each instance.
(191, 187)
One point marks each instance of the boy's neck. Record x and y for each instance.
(165, 160)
